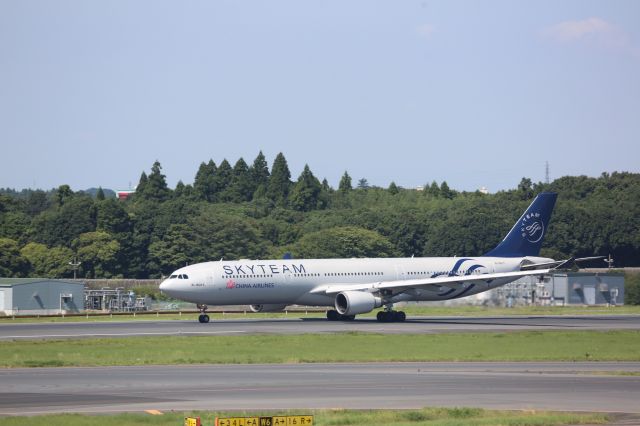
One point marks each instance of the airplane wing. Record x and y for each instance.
(422, 283)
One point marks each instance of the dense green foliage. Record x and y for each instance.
(632, 288)
(249, 211)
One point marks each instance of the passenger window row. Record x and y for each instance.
(351, 274)
(247, 276)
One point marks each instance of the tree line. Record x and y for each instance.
(253, 211)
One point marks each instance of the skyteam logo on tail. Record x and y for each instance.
(532, 227)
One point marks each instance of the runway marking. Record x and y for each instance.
(158, 333)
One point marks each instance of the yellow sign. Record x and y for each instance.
(265, 421)
(192, 421)
(299, 420)
(238, 421)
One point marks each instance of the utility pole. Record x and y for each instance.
(75, 265)
(609, 261)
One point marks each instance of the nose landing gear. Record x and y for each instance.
(203, 317)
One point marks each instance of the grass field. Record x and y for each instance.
(427, 416)
(411, 310)
(340, 347)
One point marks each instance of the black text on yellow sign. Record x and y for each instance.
(192, 421)
(266, 421)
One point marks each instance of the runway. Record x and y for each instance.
(413, 325)
(552, 386)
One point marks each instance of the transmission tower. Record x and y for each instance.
(546, 172)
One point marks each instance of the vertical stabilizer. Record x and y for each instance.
(526, 236)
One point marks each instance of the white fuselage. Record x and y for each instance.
(292, 281)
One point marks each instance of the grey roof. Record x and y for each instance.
(588, 274)
(10, 282)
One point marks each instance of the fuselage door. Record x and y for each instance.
(401, 274)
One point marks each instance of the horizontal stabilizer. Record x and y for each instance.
(560, 264)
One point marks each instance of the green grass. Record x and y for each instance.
(610, 373)
(427, 310)
(340, 347)
(426, 416)
(411, 310)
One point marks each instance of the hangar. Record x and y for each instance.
(565, 288)
(40, 296)
(584, 288)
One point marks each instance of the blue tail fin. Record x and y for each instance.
(525, 238)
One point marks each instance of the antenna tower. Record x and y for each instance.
(546, 172)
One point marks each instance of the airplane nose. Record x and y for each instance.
(165, 285)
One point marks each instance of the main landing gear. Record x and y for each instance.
(203, 318)
(333, 315)
(389, 315)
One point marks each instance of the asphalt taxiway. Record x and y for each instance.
(551, 386)
(297, 325)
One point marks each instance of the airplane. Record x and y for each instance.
(360, 285)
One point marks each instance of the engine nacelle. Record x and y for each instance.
(267, 308)
(356, 302)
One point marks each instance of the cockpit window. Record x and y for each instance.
(185, 276)
(172, 276)
(180, 276)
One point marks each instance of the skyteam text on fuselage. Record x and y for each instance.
(357, 286)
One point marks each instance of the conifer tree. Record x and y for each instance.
(363, 184)
(279, 181)
(205, 181)
(241, 188)
(62, 194)
(259, 172)
(306, 191)
(433, 189)
(445, 192)
(325, 195)
(100, 194)
(156, 188)
(179, 191)
(345, 183)
(142, 184)
(223, 176)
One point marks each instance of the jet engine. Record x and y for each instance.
(356, 302)
(267, 308)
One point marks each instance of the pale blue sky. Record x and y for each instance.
(474, 93)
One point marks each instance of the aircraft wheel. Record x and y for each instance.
(333, 315)
(348, 317)
(383, 316)
(400, 316)
(204, 318)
